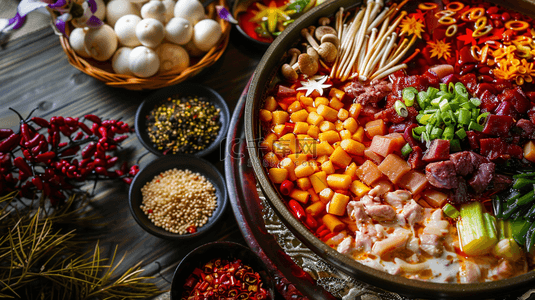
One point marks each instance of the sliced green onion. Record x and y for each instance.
(419, 130)
(482, 118)
(406, 149)
(474, 126)
(475, 101)
(451, 88)
(422, 100)
(436, 101)
(425, 137)
(443, 87)
(430, 111)
(460, 89)
(450, 211)
(448, 133)
(431, 92)
(424, 119)
(409, 95)
(444, 105)
(447, 117)
(436, 133)
(464, 117)
(475, 113)
(455, 145)
(401, 109)
(461, 133)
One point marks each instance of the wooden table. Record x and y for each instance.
(34, 72)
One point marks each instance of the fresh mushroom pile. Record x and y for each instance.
(322, 48)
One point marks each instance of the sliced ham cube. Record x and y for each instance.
(483, 177)
(438, 150)
(463, 162)
(441, 174)
(413, 212)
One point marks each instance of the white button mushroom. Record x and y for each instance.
(192, 10)
(121, 61)
(144, 61)
(172, 58)
(118, 8)
(193, 50)
(76, 40)
(154, 9)
(169, 9)
(125, 28)
(178, 31)
(206, 34)
(150, 32)
(101, 42)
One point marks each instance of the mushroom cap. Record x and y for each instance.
(313, 53)
(192, 10)
(288, 72)
(323, 30)
(328, 52)
(144, 61)
(76, 40)
(125, 28)
(118, 8)
(172, 58)
(150, 32)
(332, 38)
(154, 9)
(206, 34)
(324, 21)
(120, 61)
(179, 31)
(307, 64)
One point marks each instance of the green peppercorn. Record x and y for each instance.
(183, 125)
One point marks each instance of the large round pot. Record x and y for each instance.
(265, 78)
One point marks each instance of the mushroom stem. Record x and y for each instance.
(305, 32)
(389, 48)
(389, 71)
(362, 30)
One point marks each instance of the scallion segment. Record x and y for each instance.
(477, 229)
(451, 211)
(446, 109)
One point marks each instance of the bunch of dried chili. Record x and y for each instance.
(223, 279)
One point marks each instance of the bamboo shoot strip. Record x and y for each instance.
(348, 64)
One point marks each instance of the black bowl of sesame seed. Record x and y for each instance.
(182, 119)
(178, 197)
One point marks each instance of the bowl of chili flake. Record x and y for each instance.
(222, 270)
(182, 119)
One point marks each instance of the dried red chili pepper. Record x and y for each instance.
(23, 166)
(93, 119)
(41, 122)
(287, 187)
(297, 209)
(10, 143)
(4, 133)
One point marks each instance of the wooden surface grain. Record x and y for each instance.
(34, 72)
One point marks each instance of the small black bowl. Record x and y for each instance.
(224, 250)
(181, 90)
(181, 162)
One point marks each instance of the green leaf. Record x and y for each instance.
(298, 5)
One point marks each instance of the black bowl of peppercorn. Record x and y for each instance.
(178, 197)
(182, 119)
(228, 268)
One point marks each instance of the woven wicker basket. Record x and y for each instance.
(103, 71)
